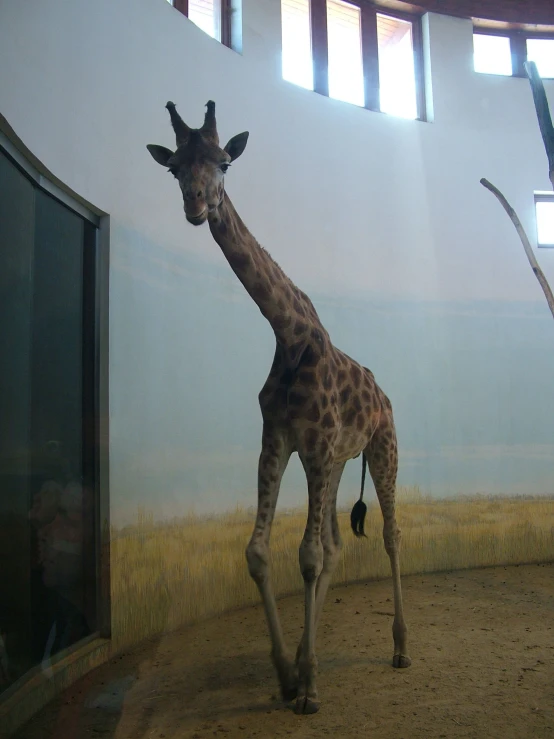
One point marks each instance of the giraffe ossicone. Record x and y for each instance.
(316, 401)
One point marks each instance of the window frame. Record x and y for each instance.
(518, 45)
(542, 197)
(225, 21)
(370, 51)
(95, 400)
(72, 662)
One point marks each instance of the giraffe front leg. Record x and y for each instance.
(311, 565)
(273, 461)
(332, 546)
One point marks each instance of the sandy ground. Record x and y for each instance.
(481, 641)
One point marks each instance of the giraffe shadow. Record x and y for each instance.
(232, 685)
(331, 663)
(246, 671)
(253, 670)
(253, 677)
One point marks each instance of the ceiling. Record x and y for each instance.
(518, 12)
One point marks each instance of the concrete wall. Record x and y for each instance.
(413, 266)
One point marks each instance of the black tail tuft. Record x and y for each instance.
(357, 518)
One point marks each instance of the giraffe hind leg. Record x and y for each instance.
(382, 460)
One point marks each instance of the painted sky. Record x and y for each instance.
(470, 382)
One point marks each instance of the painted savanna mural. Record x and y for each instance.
(176, 571)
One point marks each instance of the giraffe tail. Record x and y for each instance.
(357, 515)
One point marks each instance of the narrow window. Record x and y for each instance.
(297, 47)
(541, 51)
(206, 14)
(346, 78)
(544, 209)
(396, 66)
(492, 54)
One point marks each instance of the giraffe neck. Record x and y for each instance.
(288, 310)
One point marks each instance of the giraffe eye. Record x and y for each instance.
(224, 166)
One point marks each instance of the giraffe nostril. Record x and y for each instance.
(199, 194)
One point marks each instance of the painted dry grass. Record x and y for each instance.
(173, 573)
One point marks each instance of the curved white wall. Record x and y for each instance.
(413, 266)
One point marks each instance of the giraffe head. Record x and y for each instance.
(198, 163)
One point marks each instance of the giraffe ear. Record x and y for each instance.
(236, 145)
(160, 153)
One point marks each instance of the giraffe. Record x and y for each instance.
(316, 401)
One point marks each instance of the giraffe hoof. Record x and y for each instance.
(401, 660)
(305, 706)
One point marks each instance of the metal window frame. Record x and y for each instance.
(227, 20)
(543, 197)
(518, 45)
(370, 51)
(44, 180)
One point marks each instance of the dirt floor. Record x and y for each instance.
(482, 648)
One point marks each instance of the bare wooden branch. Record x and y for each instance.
(543, 114)
(525, 241)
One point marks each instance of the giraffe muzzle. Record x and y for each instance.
(197, 219)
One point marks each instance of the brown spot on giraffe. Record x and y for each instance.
(309, 357)
(297, 399)
(281, 322)
(293, 422)
(259, 291)
(310, 437)
(349, 417)
(345, 394)
(242, 261)
(298, 307)
(307, 378)
(313, 414)
(295, 348)
(356, 375)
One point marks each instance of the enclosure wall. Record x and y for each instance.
(412, 265)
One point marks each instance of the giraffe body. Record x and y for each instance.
(316, 401)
